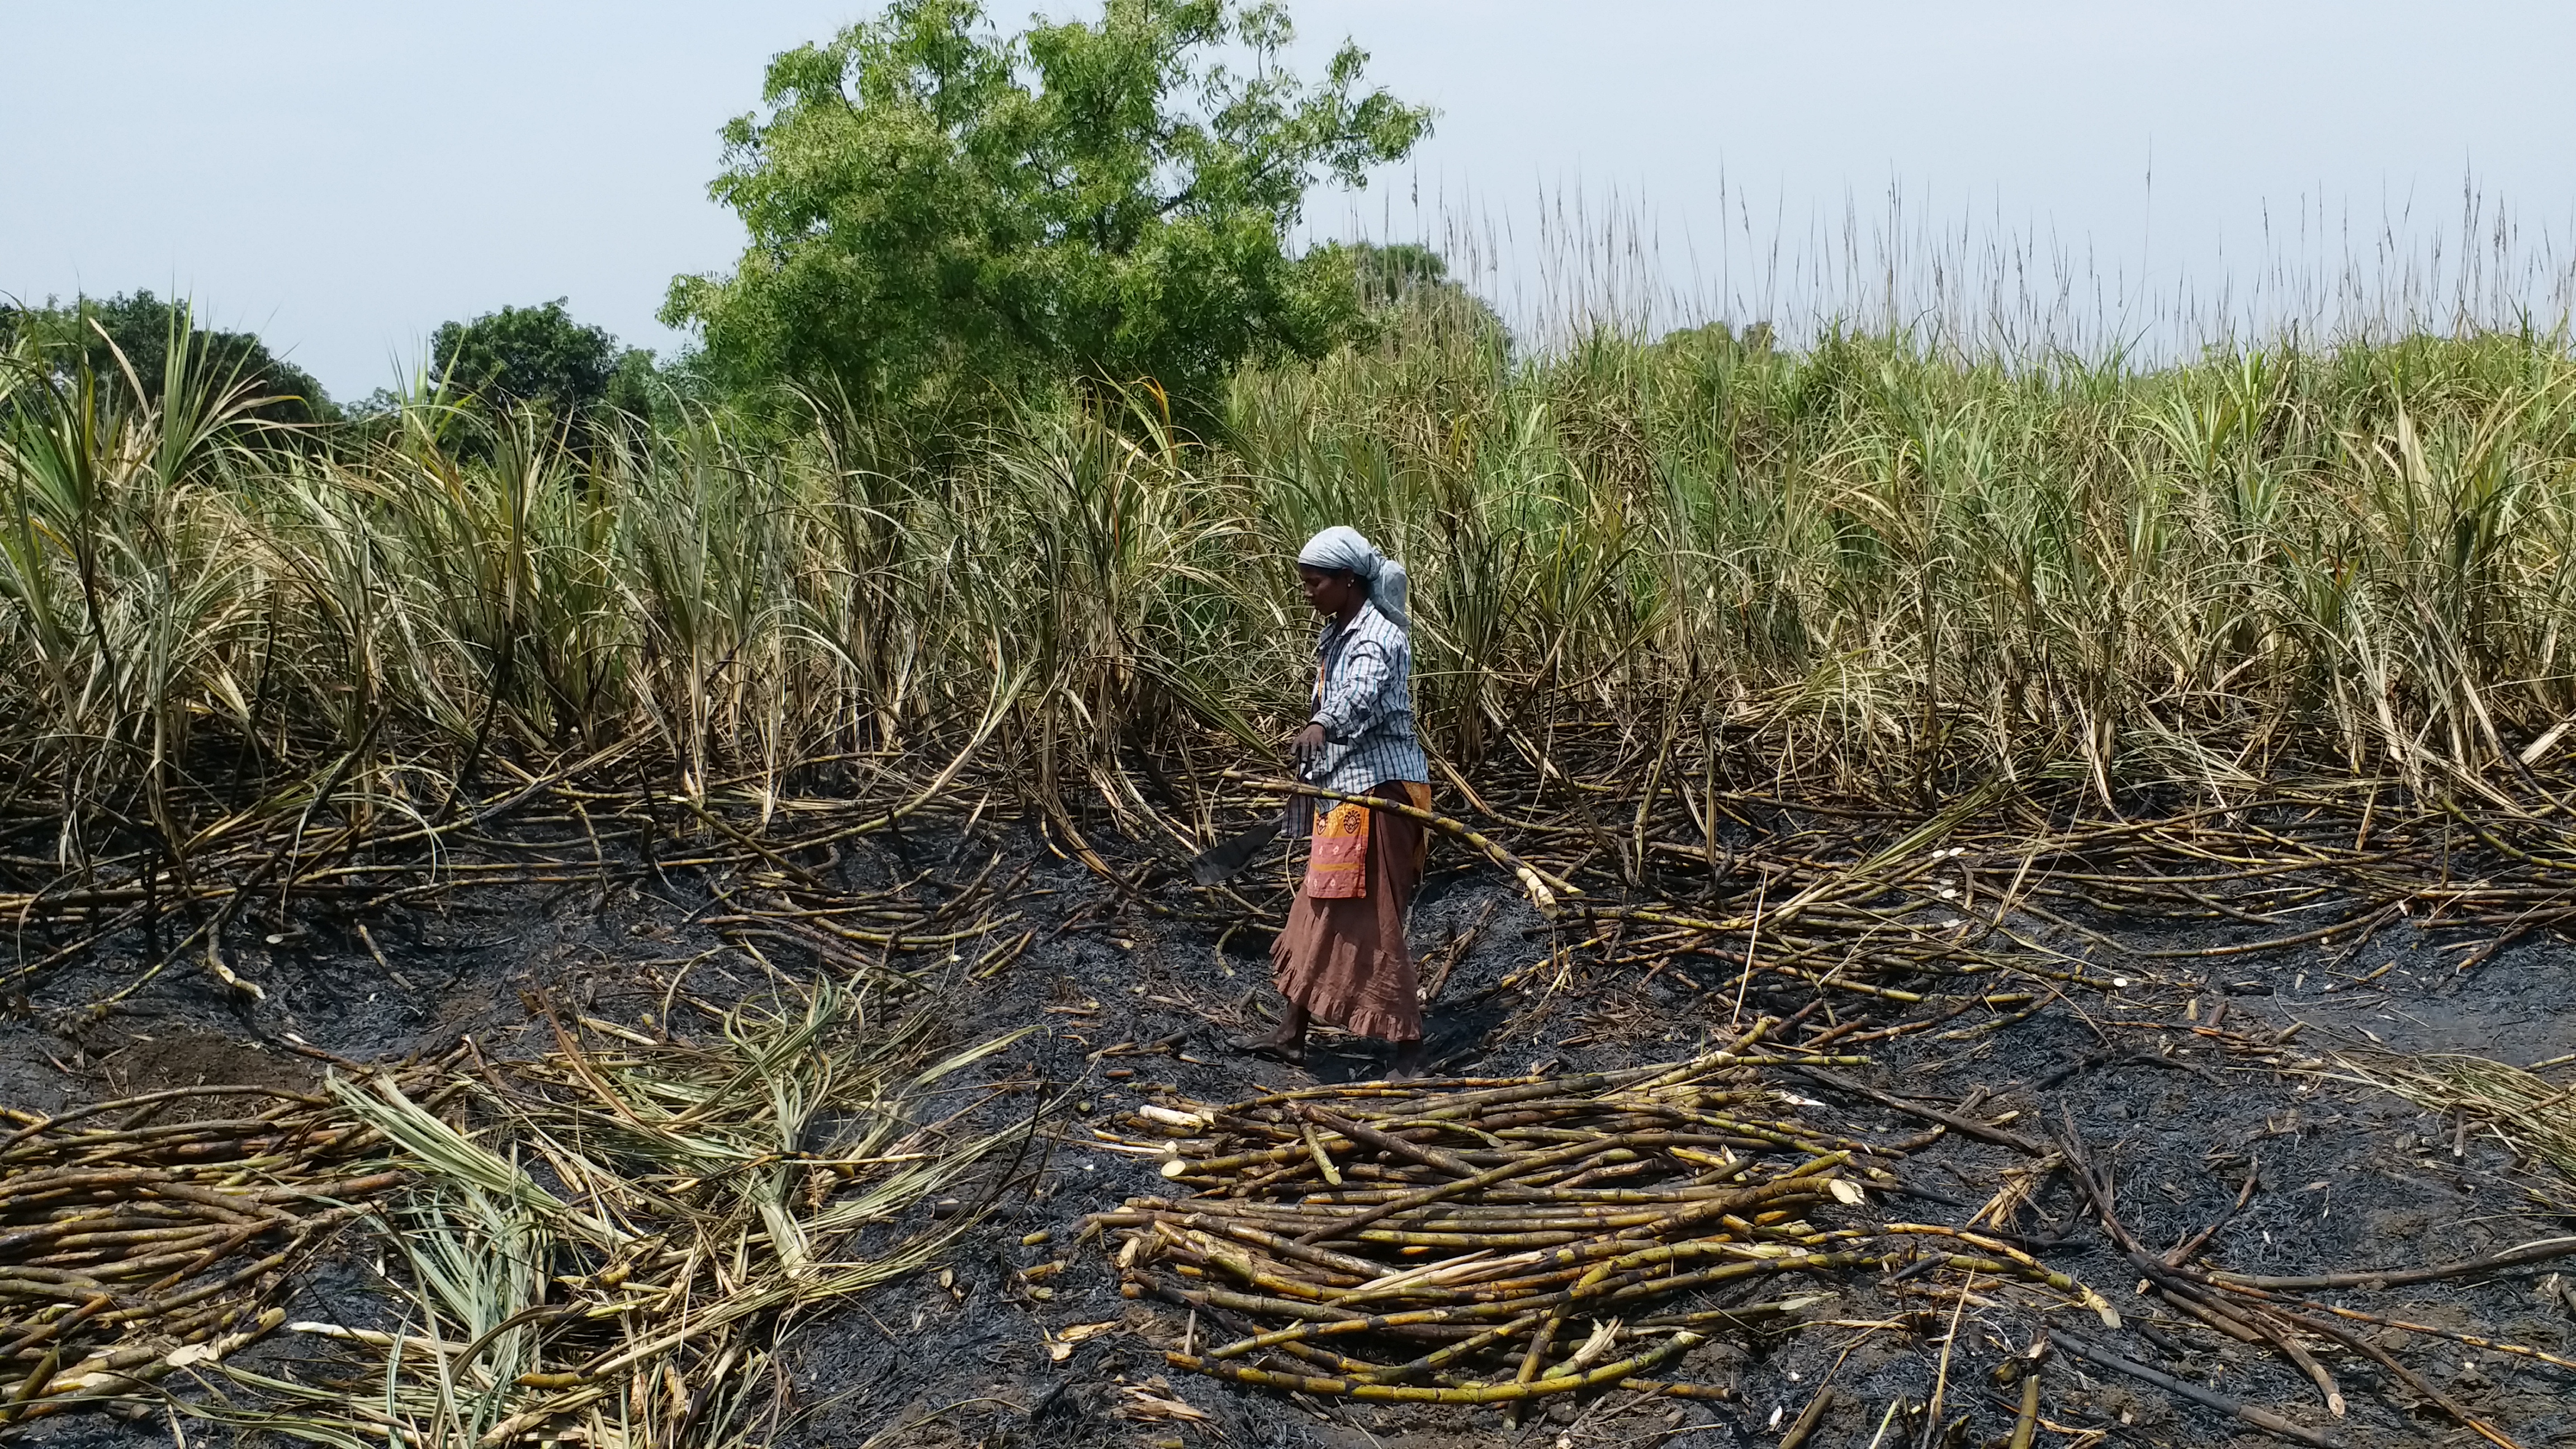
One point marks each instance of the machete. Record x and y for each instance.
(1230, 857)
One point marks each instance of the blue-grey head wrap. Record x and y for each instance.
(1344, 548)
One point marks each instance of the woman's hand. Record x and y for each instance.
(1305, 745)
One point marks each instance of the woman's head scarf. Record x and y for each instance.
(1343, 548)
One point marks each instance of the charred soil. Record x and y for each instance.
(2201, 1081)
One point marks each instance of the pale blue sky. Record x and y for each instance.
(343, 177)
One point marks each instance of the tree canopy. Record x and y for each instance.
(142, 326)
(1406, 289)
(934, 206)
(522, 356)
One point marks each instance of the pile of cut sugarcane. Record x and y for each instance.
(605, 1244)
(611, 1243)
(132, 1247)
(1492, 1241)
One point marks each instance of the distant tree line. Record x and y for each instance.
(539, 356)
(946, 219)
(133, 332)
(509, 360)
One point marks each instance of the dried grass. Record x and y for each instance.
(606, 1245)
(2531, 1115)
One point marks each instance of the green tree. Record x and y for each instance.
(522, 356)
(141, 326)
(631, 386)
(934, 206)
(1405, 288)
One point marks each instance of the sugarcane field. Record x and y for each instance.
(1094, 813)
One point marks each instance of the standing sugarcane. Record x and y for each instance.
(1342, 956)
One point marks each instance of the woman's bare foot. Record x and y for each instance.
(1278, 1047)
(1407, 1063)
(1287, 1044)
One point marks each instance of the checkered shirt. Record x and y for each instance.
(1364, 700)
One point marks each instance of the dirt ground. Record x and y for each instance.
(2162, 1080)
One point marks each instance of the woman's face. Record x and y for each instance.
(1330, 591)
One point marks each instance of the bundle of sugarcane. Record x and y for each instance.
(132, 1247)
(609, 1242)
(1490, 1241)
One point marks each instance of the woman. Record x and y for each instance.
(1342, 957)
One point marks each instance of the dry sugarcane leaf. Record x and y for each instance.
(1145, 1404)
(1061, 1343)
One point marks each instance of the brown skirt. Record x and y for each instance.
(1345, 961)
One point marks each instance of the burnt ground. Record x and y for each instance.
(2349, 1177)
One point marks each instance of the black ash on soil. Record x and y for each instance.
(2160, 1107)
